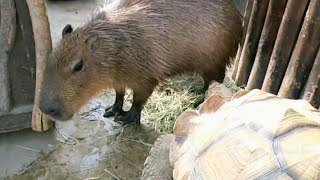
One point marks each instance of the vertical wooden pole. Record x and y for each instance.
(255, 26)
(287, 35)
(304, 54)
(268, 37)
(7, 38)
(245, 22)
(43, 44)
(311, 91)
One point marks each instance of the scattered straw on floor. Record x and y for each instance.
(230, 84)
(170, 99)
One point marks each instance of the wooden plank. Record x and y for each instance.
(304, 54)
(245, 22)
(21, 72)
(311, 91)
(15, 122)
(43, 43)
(248, 53)
(286, 38)
(268, 37)
(7, 37)
(22, 60)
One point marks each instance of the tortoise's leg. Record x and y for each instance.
(116, 108)
(157, 165)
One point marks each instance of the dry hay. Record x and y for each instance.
(170, 99)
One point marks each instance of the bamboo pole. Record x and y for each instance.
(304, 54)
(288, 32)
(268, 37)
(245, 22)
(255, 26)
(43, 45)
(311, 91)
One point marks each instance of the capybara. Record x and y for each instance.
(136, 44)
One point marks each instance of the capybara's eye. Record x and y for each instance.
(78, 67)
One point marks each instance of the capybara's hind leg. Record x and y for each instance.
(140, 96)
(116, 108)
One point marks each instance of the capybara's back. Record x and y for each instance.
(137, 43)
(168, 37)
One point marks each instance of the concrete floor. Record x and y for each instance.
(88, 146)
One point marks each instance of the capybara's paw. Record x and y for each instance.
(109, 112)
(128, 118)
(112, 112)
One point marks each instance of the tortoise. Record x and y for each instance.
(256, 135)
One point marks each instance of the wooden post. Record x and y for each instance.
(288, 32)
(43, 44)
(268, 37)
(7, 38)
(245, 22)
(304, 54)
(255, 26)
(311, 91)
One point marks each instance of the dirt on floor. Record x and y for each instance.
(119, 156)
(93, 147)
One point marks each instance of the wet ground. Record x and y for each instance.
(89, 146)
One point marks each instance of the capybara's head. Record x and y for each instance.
(71, 75)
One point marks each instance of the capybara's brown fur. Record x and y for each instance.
(135, 45)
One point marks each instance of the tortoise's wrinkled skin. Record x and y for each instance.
(157, 165)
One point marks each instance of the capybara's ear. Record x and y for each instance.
(66, 30)
(91, 40)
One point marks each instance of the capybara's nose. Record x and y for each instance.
(50, 107)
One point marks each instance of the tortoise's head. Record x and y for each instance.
(71, 75)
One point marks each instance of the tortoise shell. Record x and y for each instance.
(256, 135)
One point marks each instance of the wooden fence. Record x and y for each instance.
(280, 51)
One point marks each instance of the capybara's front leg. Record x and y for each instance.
(132, 116)
(116, 109)
(140, 97)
